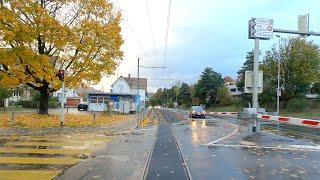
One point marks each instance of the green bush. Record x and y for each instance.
(28, 104)
(170, 104)
(298, 104)
(53, 103)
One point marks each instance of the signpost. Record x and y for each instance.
(61, 77)
(261, 28)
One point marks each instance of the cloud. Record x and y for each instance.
(202, 33)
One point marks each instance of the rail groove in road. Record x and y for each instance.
(166, 161)
(45, 157)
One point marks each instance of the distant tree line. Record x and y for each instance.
(299, 75)
(209, 90)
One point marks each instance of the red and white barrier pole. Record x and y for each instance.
(291, 120)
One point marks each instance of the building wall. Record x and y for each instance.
(120, 86)
(142, 93)
(233, 90)
(16, 95)
(68, 93)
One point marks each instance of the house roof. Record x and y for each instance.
(105, 94)
(133, 82)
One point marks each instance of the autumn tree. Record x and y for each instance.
(300, 67)
(224, 96)
(228, 79)
(39, 37)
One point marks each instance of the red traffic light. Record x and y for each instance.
(61, 74)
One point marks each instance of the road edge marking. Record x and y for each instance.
(225, 137)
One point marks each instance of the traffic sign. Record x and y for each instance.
(261, 28)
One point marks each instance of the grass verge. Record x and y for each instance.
(31, 120)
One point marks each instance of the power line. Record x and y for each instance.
(126, 19)
(150, 26)
(153, 67)
(167, 34)
(166, 38)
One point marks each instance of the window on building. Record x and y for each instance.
(233, 90)
(15, 93)
(100, 99)
(93, 99)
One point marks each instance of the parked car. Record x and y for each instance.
(83, 107)
(197, 111)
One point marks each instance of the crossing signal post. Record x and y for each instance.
(262, 29)
(61, 74)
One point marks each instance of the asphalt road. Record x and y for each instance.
(176, 148)
(231, 155)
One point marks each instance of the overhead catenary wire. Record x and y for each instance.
(167, 34)
(166, 39)
(126, 19)
(150, 26)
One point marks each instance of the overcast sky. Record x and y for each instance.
(202, 33)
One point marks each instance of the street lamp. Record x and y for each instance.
(278, 88)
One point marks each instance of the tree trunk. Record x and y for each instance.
(44, 99)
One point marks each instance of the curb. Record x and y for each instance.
(146, 166)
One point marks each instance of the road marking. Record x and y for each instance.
(28, 174)
(28, 143)
(225, 137)
(143, 129)
(34, 160)
(43, 151)
(287, 147)
(59, 138)
(76, 144)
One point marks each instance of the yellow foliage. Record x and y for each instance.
(4, 120)
(42, 38)
(148, 121)
(71, 120)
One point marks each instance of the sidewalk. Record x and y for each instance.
(124, 158)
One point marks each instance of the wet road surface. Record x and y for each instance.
(268, 156)
(166, 162)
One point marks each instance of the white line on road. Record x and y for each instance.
(288, 147)
(144, 129)
(225, 137)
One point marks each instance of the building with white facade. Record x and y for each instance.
(233, 89)
(129, 85)
(69, 93)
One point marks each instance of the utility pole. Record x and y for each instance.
(62, 104)
(147, 67)
(255, 74)
(61, 74)
(138, 96)
(278, 87)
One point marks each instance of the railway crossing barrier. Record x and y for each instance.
(291, 120)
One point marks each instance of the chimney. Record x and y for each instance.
(129, 75)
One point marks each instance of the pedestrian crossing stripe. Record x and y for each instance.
(44, 151)
(66, 145)
(36, 160)
(58, 138)
(28, 174)
(35, 143)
